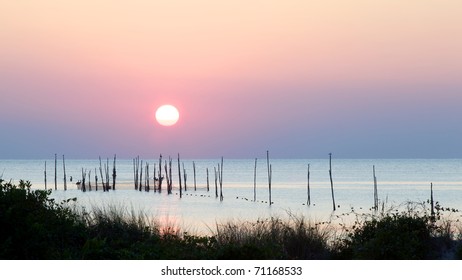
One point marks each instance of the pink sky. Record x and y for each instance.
(300, 78)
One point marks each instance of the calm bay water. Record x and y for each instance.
(398, 181)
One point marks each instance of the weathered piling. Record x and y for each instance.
(255, 181)
(185, 177)
(146, 185)
(270, 175)
(167, 178)
(64, 169)
(208, 183)
(140, 187)
(308, 200)
(56, 180)
(376, 196)
(194, 173)
(431, 201)
(114, 173)
(96, 180)
(179, 175)
(170, 183)
(220, 174)
(106, 166)
(45, 174)
(136, 173)
(101, 174)
(331, 181)
(216, 184)
(160, 174)
(84, 175)
(154, 170)
(168, 175)
(89, 180)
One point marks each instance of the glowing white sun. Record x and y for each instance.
(167, 115)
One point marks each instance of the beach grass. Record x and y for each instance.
(35, 226)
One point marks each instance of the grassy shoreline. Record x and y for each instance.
(35, 226)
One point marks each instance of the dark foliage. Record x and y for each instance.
(34, 226)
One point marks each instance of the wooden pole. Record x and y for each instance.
(331, 181)
(147, 176)
(208, 183)
(376, 196)
(107, 174)
(114, 173)
(160, 173)
(221, 179)
(269, 175)
(64, 169)
(89, 180)
(154, 177)
(134, 173)
(194, 173)
(96, 180)
(45, 173)
(56, 182)
(216, 185)
(255, 181)
(137, 173)
(179, 174)
(167, 178)
(185, 177)
(170, 185)
(101, 173)
(431, 201)
(141, 176)
(84, 189)
(271, 178)
(308, 200)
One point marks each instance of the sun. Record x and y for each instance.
(167, 115)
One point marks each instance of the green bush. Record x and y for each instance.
(394, 237)
(35, 226)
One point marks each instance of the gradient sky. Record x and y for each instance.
(358, 78)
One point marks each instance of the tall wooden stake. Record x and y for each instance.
(64, 169)
(84, 175)
(208, 183)
(56, 182)
(96, 180)
(220, 174)
(141, 177)
(160, 174)
(89, 180)
(376, 196)
(308, 200)
(101, 174)
(107, 174)
(114, 175)
(154, 186)
(255, 181)
(216, 185)
(270, 173)
(331, 181)
(45, 173)
(431, 200)
(147, 176)
(194, 171)
(185, 177)
(179, 174)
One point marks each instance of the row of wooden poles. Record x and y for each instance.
(83, 184)
(143, 183)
